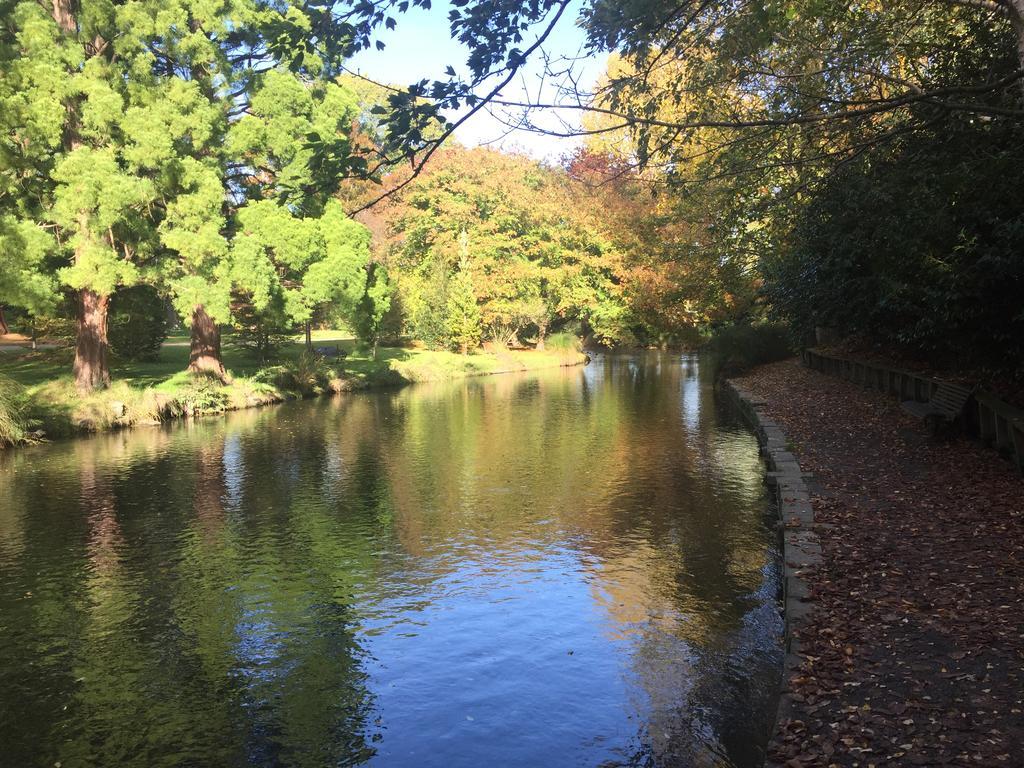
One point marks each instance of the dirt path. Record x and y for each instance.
(18, 343)
(916, 652)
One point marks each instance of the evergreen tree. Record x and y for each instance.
(463, 312)
(373, 307)
(126, 137)
(286, 266)
(26, 279)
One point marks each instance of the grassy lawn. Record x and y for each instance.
(31, 369)
(163, 389)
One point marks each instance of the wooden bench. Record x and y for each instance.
(944, 410)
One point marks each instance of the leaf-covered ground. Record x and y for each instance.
(915, 649)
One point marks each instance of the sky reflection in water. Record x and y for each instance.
(566, 568)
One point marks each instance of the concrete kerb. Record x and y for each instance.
(801, 548)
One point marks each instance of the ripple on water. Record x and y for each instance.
(560, 568)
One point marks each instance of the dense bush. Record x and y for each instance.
(919, 247)
(202, 394)
(51, 328)
(563, 341)
(426, 298)
(739, 347)
(57, 326)
(137, 324)
(261, 333)
(306, 375)
(13, 423)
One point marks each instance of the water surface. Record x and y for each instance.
(564, 568)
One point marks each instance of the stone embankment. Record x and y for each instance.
(904, 581)
(800, 548)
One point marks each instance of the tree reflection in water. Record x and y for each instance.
(560, 568)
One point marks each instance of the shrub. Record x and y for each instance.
(307, 375)
(563, 341)
(916, 246)
(59, 329)
(137, 325)
(203, 394)
(262, 333)
(13, 421)
(737, 348)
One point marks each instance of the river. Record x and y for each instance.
(561, 568)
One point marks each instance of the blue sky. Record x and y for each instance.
(421, 47)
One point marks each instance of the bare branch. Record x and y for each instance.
(435, 144)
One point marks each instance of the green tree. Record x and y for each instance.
(463, 313)
(373, 307)
(138, 323)
(85, 105)
(294, 249)
(287, 266)
(124, 137)
(540, 256)
(26, 279)
(916, 247)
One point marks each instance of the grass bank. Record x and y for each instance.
(47, 404)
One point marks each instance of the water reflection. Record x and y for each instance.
(565, 568)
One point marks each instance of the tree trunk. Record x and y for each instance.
(4, 328)
(309, 337)
(542, 331)
(1016, 13)
(91, 369)
(204, 345)
(64, 15)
